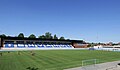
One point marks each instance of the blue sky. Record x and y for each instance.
(90, 20)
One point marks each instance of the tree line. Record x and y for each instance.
(47, 35)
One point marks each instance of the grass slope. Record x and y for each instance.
(53, 59)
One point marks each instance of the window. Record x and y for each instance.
(29, 42)
(20, 42)
(9, 41)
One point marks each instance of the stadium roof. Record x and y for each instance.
(18, 38)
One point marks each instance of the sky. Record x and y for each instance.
(88, 20)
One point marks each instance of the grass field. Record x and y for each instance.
(53, 59)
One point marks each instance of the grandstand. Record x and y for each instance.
(36, 43)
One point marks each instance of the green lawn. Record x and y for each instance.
(53, 59)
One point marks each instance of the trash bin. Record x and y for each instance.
(119, 64)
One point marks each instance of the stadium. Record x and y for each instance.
(50, 54)
(16, 43)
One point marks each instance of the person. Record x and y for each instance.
(18, 53)
(1, 54)
(32, 53)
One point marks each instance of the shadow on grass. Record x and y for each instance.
(32, 68)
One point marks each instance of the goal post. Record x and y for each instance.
(89, 62)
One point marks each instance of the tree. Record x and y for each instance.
(55, 37)
(48, 35)
(67, 39)
(62, 38)
(110, 43)
(21, 35)
(32, 36)
(42, 37)
(2, 35)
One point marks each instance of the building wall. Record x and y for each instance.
(77, 45)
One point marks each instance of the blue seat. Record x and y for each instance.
(48, 46)
(67, 46)
(70, 46)
(20, 45)
(9, 45)
(31, 45)
(63, 46)
(40, 45)
(56, 46)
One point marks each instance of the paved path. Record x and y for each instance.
(103, 66)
